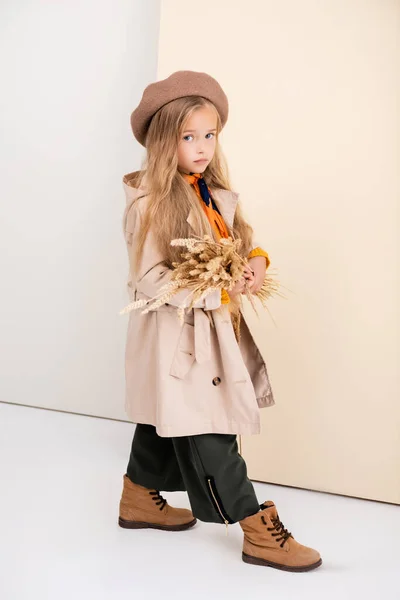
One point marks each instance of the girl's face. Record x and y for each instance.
(196, 146)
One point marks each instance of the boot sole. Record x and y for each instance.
(142, 525)
(252, 560)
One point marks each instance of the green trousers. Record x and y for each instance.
(208, 467)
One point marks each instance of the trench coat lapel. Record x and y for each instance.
(226, 201)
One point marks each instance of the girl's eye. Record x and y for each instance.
(191, 136)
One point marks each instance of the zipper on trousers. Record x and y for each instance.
(223, 517)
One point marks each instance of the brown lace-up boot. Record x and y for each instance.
(269, 544)
(141, 508)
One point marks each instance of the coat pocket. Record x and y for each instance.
(184, 355)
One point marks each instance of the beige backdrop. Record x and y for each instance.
(312, 138)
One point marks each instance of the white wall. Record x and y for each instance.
(71, 74)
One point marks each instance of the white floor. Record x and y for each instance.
(61, 479)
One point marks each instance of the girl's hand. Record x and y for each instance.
(240, 285)
(259, 266)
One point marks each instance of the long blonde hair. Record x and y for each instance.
(170, 196)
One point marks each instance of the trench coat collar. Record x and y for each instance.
(226, 200)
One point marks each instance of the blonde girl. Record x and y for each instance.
(192, 388)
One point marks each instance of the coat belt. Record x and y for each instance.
(202, 336)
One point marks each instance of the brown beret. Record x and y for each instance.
(177, 85)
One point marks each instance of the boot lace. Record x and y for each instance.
(279, 528)
(158, 499)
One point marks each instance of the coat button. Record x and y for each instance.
(216, 380)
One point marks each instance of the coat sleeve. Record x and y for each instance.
(153, 273)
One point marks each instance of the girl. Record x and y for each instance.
(192, 389)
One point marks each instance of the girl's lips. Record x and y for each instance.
(201, 160)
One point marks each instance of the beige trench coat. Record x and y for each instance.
(192, 378)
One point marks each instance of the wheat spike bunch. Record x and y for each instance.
(205, 266)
